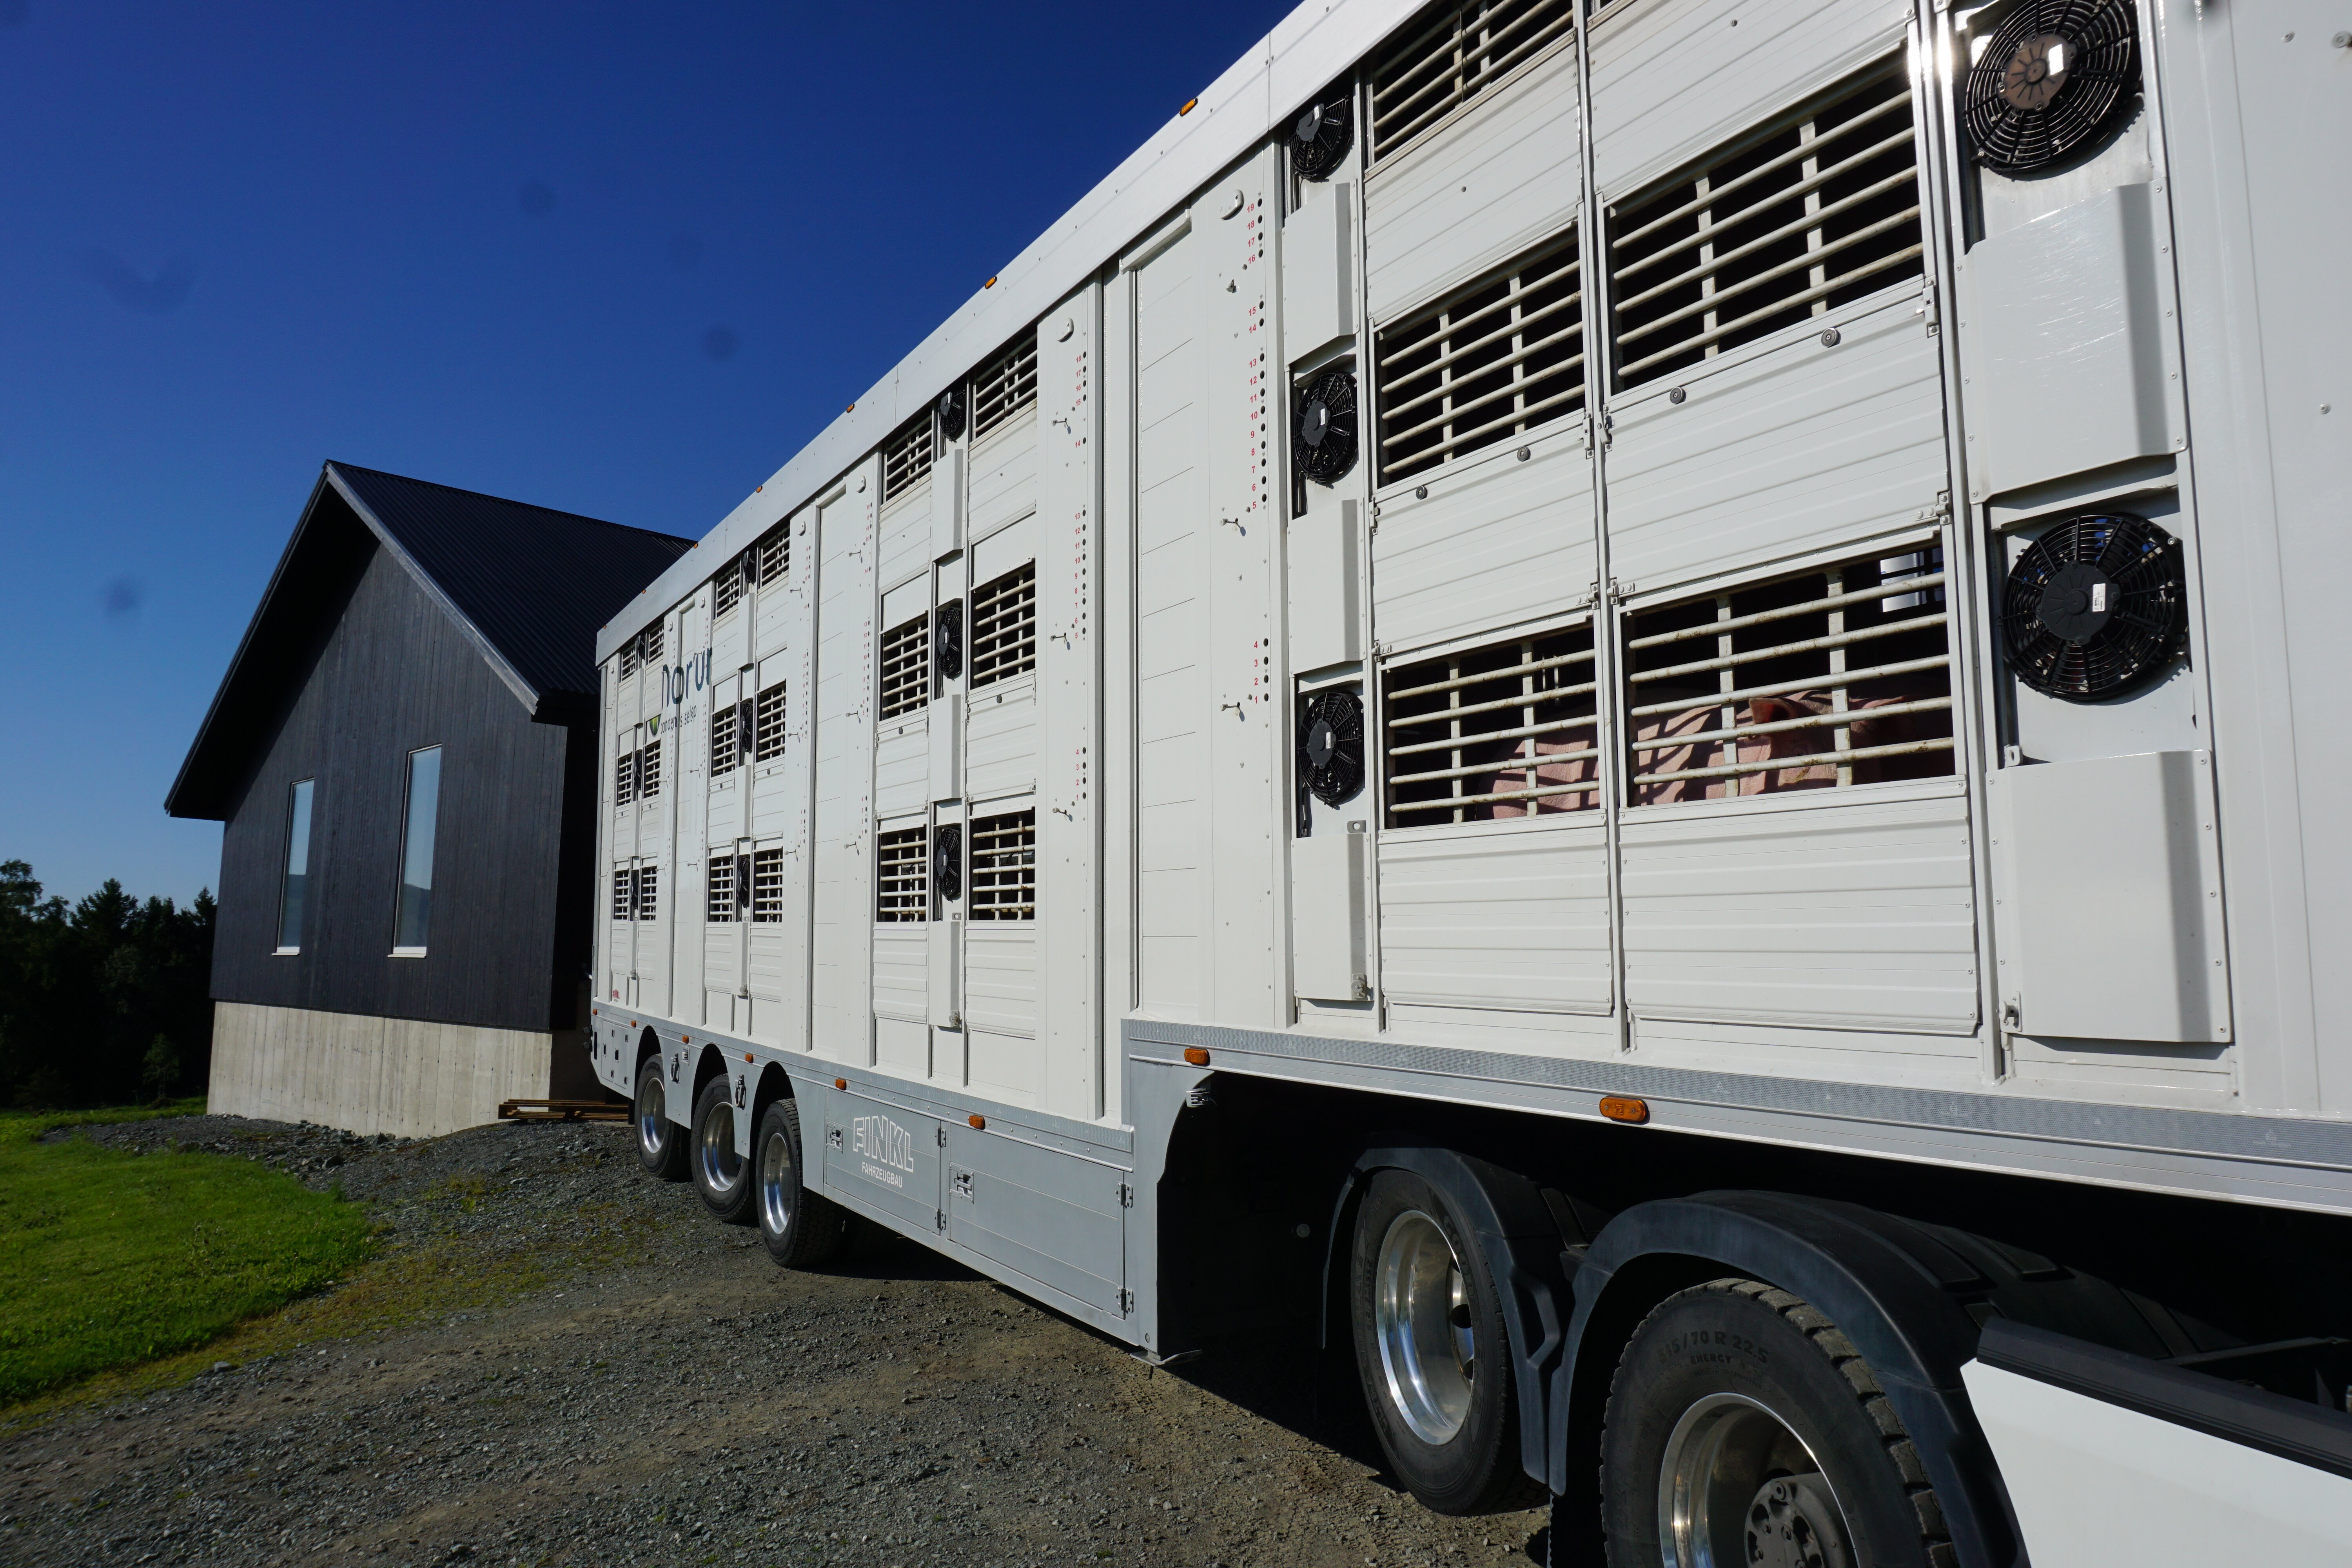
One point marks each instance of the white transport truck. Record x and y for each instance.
(1627, 707)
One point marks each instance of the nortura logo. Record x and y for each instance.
(678, 679)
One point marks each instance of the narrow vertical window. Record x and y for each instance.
(416, 834)
(298, 868)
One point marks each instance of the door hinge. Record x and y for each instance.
(1126, 1196)
(943, 1136)
(1126, 1303)
(1925, 308)
(941, 1216)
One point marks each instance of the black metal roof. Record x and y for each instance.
(528, 585)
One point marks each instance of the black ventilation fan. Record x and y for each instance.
(1322, 135)
(1331, 745)
(2094, 608)
(2051, 79)
(947, 861)
(1327, 428)
(947, 640)
(950, 407)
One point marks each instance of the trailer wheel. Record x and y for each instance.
(661, 1142)
(722, 1177)
(1433, 1352)
(1742, 1427)
(802, 1229)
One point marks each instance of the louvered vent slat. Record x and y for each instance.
(649, 771)
(722, 739)
(767, 887)
(1005, 867)
(774, 553)
(649, 644)
(624, 778)
(1450, 55)
(624, 893)
(1816, 211)
(907, 460)
(726, 591)
(718, 903)
(628, 658)
(907, 667)
(1004, 387)
(648, 888)
(902, 865)
(1821, 679)
(767, 724)
(1501, 732)
(1004, 626)
(1501, 357)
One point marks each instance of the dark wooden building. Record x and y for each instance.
(403, 755)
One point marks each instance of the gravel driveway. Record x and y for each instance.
(557, 1360)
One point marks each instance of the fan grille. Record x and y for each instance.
(2052, 76)
(2128, 626)
(1331, 745)
(1322, 134)
(1327, 428)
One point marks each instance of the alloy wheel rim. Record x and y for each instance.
(715, 1149)
(653, 1113)
(775, 1194)
(1738, 1486)
(1422, 1321)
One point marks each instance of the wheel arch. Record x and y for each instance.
(1899, 1294)
(775, 1084)
(1522, 1242)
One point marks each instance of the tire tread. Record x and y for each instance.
(1827, 1338)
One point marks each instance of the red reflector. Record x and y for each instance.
(1623, 1108)
(1196, 1056)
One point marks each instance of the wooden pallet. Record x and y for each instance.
(562, 1111)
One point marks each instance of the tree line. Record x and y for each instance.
(103, 1001)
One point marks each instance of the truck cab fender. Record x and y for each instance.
(1521, 1241)
(1897, 1292)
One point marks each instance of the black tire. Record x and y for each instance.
(802, 1229)
(661, 1142)
(1420, 1293)
(1825, 1455)
(721, 1175)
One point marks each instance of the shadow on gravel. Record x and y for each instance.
(877, 1254)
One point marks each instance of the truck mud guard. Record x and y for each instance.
(1507, 1214)
(1896, 1291)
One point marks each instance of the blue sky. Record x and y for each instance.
(618, 260)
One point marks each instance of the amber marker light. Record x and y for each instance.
(1624, 1108)
(1189, 104)
(841, 1083)
(747, 1055)
(977, 1120)
(1195, 1056)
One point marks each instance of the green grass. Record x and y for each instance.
(109, 1258)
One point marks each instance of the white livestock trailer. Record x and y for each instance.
(1629, 702)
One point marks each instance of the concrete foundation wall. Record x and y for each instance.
(376, 1075)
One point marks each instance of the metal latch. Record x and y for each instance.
(833, 1137)
(963, 1185)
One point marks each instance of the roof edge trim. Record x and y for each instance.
(522, 688)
